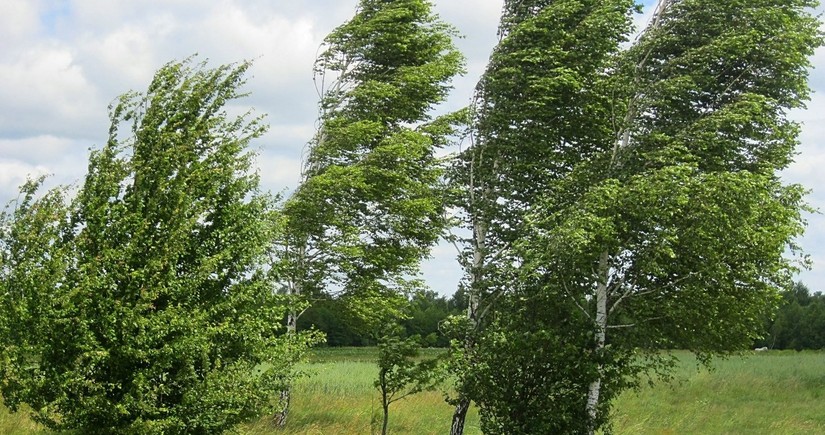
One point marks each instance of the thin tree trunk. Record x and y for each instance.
(601, 328)
(623, 141)
(284, 396)
(459, 416)
(293, 289)
(479, 247)
(283, 402)
(385, 400)
(386, 419)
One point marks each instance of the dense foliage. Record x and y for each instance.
(369, 207)
(618, 198)
(799, 323)
(422, 316)
(146, 304)
(632, 193)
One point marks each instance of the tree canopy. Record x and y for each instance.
(629, 192)
(145, 304)
(621, 196)
(369, 206)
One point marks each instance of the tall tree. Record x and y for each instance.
(635, 187)
(149, 296)
(540, 108)
(370, 207)
(673, 234)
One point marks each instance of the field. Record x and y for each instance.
(764, 393)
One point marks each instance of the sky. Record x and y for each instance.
(62, 62)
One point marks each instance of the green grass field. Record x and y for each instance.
(764, 393)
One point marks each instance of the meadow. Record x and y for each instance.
(775, 392)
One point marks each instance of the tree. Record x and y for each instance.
(540, 109)
(369, 206)
(425, 312)
(155, 312)
(399, 375)
(646, 195)
(799, 322)
(673, 234)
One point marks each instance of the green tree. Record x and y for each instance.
(637, 187)
(156, 311)
(330, 316)
(799, 322)
(541, 107)
(425, 312)
(399, 374)
(369, 206)
(672, 234)
(34, 257)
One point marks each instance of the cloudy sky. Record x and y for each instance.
(63, 61)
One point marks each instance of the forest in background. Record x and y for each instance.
(799, 322)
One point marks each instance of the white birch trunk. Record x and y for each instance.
(601, 334)
(622, 141)
(293, 289)
(473, 303)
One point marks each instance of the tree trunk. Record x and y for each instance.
(293, 288)
(474, 299)
(460, 414)
(601, 327)
(386, 419)
(283, 402)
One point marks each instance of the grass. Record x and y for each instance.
(762, 393)
(338, 397)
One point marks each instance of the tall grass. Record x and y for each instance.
(762, 393)
(338, 397)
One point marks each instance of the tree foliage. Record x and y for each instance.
(631, 193)
(399, 374)
(422, 316)
(147, 299)
(369, 207)
(799, 323)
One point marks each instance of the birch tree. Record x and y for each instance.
(370, 206)
(672, 235)
(659, 221)
(540, 108)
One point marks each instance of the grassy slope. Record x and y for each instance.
(765, 393)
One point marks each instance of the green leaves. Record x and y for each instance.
(370, 205)
(161, 315)
(633, 190)
(399, 375)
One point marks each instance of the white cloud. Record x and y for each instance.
(62, 159)
(127, 54)
(14, 173)
(279, 173)
(45, 90)
(19, 20)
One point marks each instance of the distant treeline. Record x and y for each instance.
(424, 313)
(799, 323)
